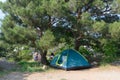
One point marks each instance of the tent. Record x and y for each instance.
(69, 59)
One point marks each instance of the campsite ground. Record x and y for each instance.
(101, 73)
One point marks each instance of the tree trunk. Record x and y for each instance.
(44, 60)
(77, 45)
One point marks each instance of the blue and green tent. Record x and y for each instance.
(69, 59)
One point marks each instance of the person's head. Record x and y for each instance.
(37, 54)
(52, 53)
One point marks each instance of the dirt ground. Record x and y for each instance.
(102, 73)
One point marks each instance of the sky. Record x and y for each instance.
(3, 0)
(1, 13)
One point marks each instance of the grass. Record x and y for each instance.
(32, 66)
(25, 66)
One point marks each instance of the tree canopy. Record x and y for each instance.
(42, 24)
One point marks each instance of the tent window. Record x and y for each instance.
(62, 59)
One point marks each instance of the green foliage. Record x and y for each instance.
(46, 40)
(30, 67)
(85, 52)
(98, 3)
(19, 34)
(63, 46)
(110, 50)
(114, 30)
(19, 53)
(3, 48)
(109, 40)
(115, 6)
(25, 54)
(99, 26)
(32, 23)
(63, 35)
(86, 20)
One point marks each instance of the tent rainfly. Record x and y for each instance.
(69, 59)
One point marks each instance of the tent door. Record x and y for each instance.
(61, 60)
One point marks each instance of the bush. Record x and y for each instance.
(30, 66)
(85, 52)
(109, 52)
(20, 53)
(25, 55)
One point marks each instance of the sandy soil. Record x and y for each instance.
(103, 73)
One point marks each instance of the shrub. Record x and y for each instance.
(30, 66)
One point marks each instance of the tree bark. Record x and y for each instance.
(44, 60)
(77, 45)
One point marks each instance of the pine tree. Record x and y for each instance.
(32, 23)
